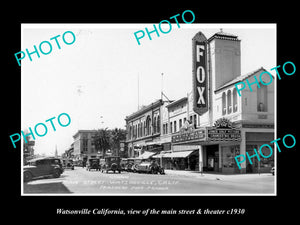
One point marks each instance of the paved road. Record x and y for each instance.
(80, 181)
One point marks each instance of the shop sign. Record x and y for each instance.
(223, 130)
(215, 134)
(196, 135)
(200, 76)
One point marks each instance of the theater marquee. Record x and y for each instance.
(200, 76)
(223, 130)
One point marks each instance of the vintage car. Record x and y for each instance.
(111, 163)
(124, 163)
(68, 164)
(93, 164)
(127, 164)
(42, 167)
(150, 167)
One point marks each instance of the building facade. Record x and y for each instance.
(144, 129)
(83, 146)
(208, 128)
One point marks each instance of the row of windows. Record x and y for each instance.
(173, 125)
(228, 101)
(144, 128)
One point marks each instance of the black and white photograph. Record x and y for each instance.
(143, 112)
(162, 109)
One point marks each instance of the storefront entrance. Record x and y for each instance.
(212, 158)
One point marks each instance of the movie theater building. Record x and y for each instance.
(214, 124)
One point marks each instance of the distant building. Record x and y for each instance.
(83, 145)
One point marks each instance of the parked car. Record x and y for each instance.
(68, 164)
(128, 164)
(150, 167)
(273, 171)
(111, 163)
(134, 167)
(42, 167)
(93, 164)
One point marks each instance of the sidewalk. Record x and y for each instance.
(214, 176)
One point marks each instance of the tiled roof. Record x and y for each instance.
(240, 78)
(223, 35)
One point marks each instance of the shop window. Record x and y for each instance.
(228, 155)
(234, 95)
(223, 103)
(267, 162)
(229, 105)
(262, 99)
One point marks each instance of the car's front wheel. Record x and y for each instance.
(56, 173)
(27, 176)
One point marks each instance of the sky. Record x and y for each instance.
(95, 79)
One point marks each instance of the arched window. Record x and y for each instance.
(142, 129)
(171, 127)
(234, 95)
(229, 105)
(175, 127)
(139, 133)
(223, 103)
(154, 125)
(130, 132)
(158, 124)
(180, 123)
(136, 129)
(148, 125)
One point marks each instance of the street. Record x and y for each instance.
(82, 182)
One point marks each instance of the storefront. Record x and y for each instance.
(214, 149)
(209, 149)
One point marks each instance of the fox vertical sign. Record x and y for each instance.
(200, 76)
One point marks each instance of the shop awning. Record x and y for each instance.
(159, 155)
(146, 155)
(179, 154)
